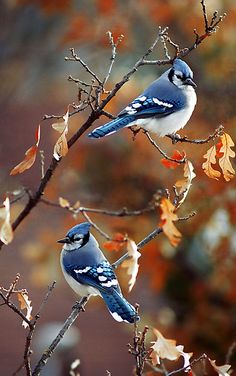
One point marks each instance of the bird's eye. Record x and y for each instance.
(179, 76)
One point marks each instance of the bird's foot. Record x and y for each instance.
(135, 130)
(175, 137)
(80, 305)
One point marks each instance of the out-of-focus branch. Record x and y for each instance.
(78, 307)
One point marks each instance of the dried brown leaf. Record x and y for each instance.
(224, 160)
(25, 303)
(61, 146)
(168, 217)
(163, 348)
(30, 156)
(132, 262)
(210, 157)
(6, 232)
(183, 185)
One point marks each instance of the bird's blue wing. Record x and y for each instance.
(103, 278)
(141, 108)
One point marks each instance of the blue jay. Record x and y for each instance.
(88, 272)
(163, 108)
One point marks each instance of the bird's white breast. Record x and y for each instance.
(171, 123)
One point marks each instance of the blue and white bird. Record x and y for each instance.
(163, 108)
(88, 272)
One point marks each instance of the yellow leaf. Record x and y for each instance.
(132, 262)
(6, 232)
(30, 156)
(61, 147)
(25, 303)
(221, 370)
(210, 157)
(224, 161)
(183, 186)
(168, 216)
(63, 202)
(164, 349)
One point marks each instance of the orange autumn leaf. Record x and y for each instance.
(61, 147)
(172, 164)
(210, 157)
(221, 370)
(132, 262)
(224, 160)
(182, 186)
(6, 232)
(116, 244)
(168, 217)
(25, 303)
(30, 156)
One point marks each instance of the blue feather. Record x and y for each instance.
(112, 126)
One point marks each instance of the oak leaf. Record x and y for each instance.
(224, 160)
(163, 348)
(172, 164)
(210, 157)
(30, 156)
(168, 217)
(221, 370)
(6, 232)
(183, 185)
(132, 262)
(61, 146)
(25, 303)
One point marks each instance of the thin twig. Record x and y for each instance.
(179, 161)
(75, 57)
(176, 138)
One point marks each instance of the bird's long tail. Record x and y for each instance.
(111, 127)
(120, 309)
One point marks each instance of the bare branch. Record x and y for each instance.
(177, 138)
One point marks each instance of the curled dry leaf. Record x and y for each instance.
(30, 156)
(183, 186)
(221, 370)
(61, 147)
(168, 217)
(6, 232)
(117, 242)
(227, 153)
(172, 164)
(210, 157)
(25, 303)
(132, 262)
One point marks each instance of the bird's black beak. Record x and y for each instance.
(63, 241)
(190, 82)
